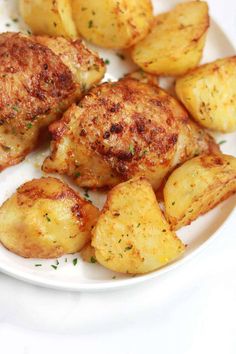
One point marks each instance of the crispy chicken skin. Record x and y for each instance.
(40, 77)
(121, 130)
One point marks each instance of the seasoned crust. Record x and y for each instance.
(37, 85)
(121, 130)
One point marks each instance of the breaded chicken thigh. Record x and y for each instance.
(124, 129)
(40, 77)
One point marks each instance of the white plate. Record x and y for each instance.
(84, 276)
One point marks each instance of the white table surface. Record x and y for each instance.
(189, 310)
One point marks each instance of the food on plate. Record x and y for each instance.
(197, 186)
(121, 130)
(88, 253)
(51, 17)
(176, 41)
(39, 79)
(131, 234)
(209, 94)
(45, 219)
(113, 23)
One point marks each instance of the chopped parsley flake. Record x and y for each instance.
(29, 125)
(107, 61)
(128, 248)
(131, 149)
(15, 108)
(47, 217)
(75, 260)
(38, 265)
(114, 277)
(222, 142)
(93, 260)
(57, 262)
(54, 266)
(77, 174)
(90, 24)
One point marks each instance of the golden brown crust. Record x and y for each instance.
(121, 130)
(37, 86)
(129, 128)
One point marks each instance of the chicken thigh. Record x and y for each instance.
(124, 129)
(40, 77)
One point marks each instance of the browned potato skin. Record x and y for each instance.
(198, 186)
(38, 83)
(131, 234)
(113, 23)
(121, 130)
(46, 219)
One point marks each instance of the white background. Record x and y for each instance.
(189, 310)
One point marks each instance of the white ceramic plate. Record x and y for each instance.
(84, 276)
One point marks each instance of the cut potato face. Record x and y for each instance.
(113, 23)
(51, 17)
(46, 219)
(176, 41)
(209, 93)
(132, 235)
(197, 186)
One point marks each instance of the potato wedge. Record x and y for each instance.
(176, 41)
(46, 219)
(197, 186)
(209, 93)
(113, 23)
(52, 17)
(132, 235)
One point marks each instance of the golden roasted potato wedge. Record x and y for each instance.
(209, 93)
(197, 186)
(132, 235)
(113, 23)
(52, 17)
(176, 41)
(45, 219)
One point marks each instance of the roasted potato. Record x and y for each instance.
(45, 219)
(197, 186)
(209, 93)
(132, 235)
(52, 17)
(113, 23)
(176, 41)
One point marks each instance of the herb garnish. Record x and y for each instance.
(75, 260)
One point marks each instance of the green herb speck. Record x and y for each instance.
(131, 149)
(107, 61)
(90, 24)
(222, 142)
(93, 260)
(75, 260)
(53, 266)
(38, 265)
